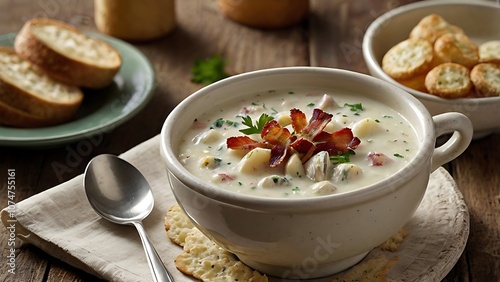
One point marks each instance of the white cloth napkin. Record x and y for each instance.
(61, 222)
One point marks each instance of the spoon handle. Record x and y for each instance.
(158, 269)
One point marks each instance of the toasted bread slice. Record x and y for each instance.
(29, 97)
(67, 54)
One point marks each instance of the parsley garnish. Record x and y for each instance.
(354, 107)
(209, 70)
(220, 123)
(259, 124)
(398, 155)
(344, 158)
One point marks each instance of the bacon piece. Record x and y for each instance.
(278, 154)
(274, 134)
(316, 124)
(299, 120)
(243, 143)
(279, 137)
(336, 143)
(304, 147)
(378, 159)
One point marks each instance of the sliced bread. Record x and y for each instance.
(67, 54)
(31, 98)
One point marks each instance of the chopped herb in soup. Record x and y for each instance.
(299, 143)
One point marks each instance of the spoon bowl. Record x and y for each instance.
(119, 193)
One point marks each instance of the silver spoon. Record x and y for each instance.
(119, 193)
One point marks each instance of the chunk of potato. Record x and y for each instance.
(347, 172)
(294, 166)
(366, 127)
(254, 161)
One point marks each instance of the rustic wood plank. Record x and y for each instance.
(476, 173)
(337, 29)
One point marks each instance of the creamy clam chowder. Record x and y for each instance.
(297, 143)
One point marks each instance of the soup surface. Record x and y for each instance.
(297, 143)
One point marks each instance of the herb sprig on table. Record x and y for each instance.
(208, 70)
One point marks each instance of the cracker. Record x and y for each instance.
(449, 80)
(432, 27)
(373, 270)
(457, 48)
(392, 244)
(202, 258)
(489, 52)
(408, 58)
(177, 225)
(486, 79)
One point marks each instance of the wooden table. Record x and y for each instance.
(331, 37)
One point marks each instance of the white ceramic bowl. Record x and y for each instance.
(310, 237)
(480, 20)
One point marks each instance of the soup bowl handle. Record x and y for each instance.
(462, 130)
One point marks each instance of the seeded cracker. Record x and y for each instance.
(202, 258)
(486, 79)
(449, 80)
(408, 58)
(177, 225)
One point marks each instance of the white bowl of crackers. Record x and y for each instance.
(445, 53)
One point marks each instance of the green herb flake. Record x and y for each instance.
(354, 107)
(310, 105)
(398, 155)
(296, 190)
(387, 116)
(257, 127)
(344, 158)
(377, 121)
(220, 123)
(208, 70)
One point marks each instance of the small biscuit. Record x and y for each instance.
(489, 52)
(202, 258)
(457, 48)
(431, 27)
(486, 79)
(408, 59)
(449, 80)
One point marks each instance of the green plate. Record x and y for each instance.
(102, 110)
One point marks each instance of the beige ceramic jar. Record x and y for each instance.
(264, 13)
(135, 20)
